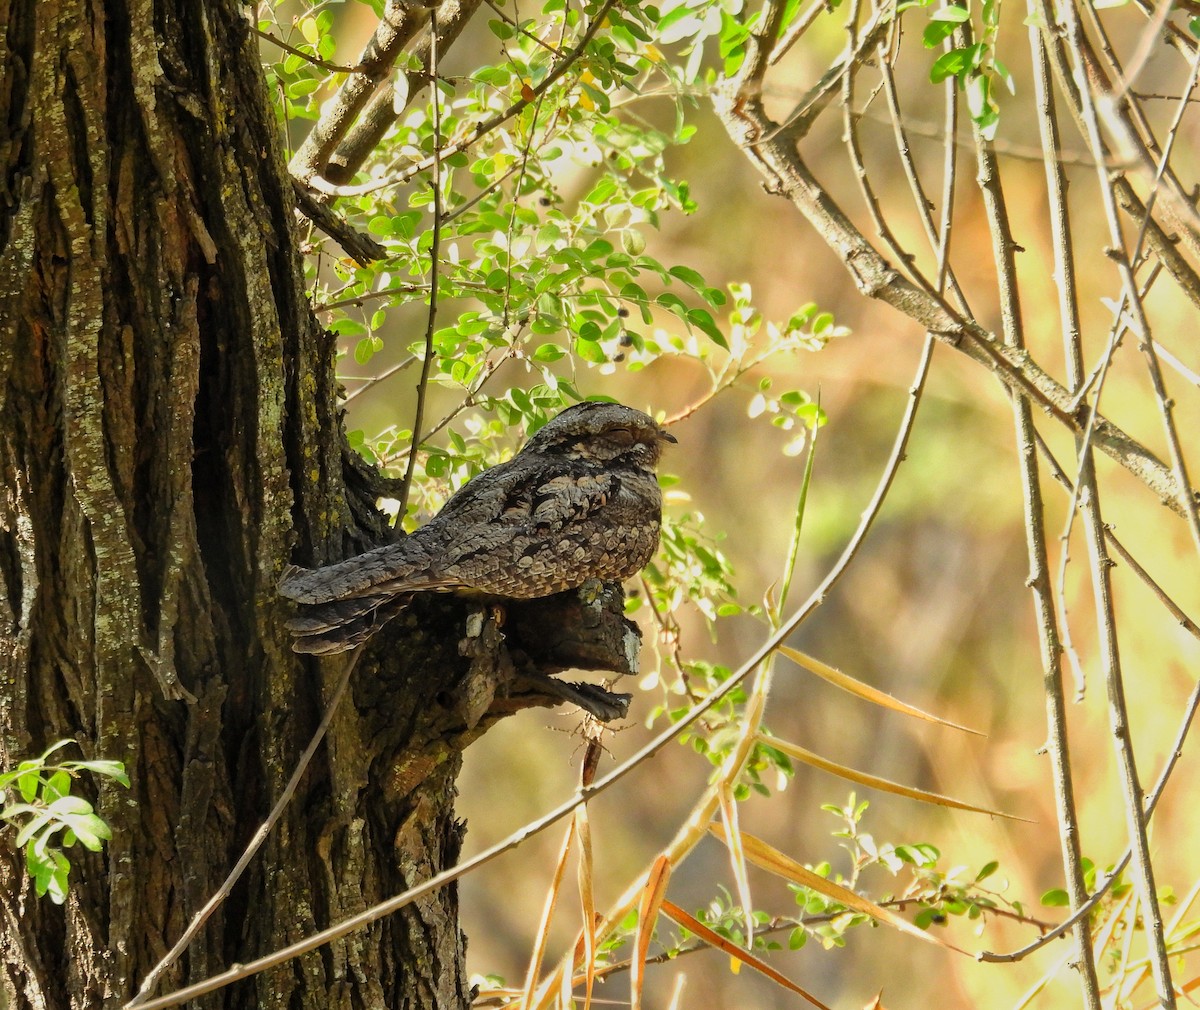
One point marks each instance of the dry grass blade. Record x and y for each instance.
(653, 895)
(543, 933)
(737, 859)
(770, 858)
(865, 691)
(693, 924)
(875, 782)
(587, 899)
(677, 993)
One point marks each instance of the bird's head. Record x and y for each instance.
(604, 433)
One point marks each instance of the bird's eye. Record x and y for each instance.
(622, 436)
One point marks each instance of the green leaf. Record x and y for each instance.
(600, 247)
(672, 301)
(987, 871)
(936, 32)
(91, 831)
(702, 319)
(1003, 73)
(301, 88)
(689, 277)
(66, 805)
(548, 236)
(501, 29)
(635, 293)
(951, 64)
(27, 784)
(31, 828)
(633, 242)
(1056, 898)
(58, 785)
(590, 351)
(590, 331)
(367, 348)
(109, 769)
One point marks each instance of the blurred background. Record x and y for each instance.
(934, 609)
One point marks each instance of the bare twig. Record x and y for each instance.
(1173, 608)
(375, 380)
(508, 19)
(850, 121)
(939, 239)
(316, 61)
(1143, 867)
(1034, 510)
(434, 250)
(1086, 909)
(798, 28)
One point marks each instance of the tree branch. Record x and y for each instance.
(787, 174)
(400, 22)
(361, 248)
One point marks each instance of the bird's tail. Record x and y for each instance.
(324, 629)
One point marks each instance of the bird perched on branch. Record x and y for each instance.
(580, 501)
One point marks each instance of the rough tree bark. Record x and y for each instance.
(169, 439)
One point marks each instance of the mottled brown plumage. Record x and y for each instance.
(580, 501)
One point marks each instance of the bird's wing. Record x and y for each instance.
(510, 502)
(546, 492)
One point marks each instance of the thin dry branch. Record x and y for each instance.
(1035, 535)
(774, 152)
(1174, 609)
(434, 250)
(361, 248)
(1143, 867)
(1102, 886)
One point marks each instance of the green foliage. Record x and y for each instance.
(920, 885)
(912, 881)
(546, 276)
(47, 818)
(974, 65)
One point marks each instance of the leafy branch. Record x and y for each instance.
(48, 818)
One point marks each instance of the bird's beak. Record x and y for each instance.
(666, 436)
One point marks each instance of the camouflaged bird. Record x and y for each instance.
(580, 501)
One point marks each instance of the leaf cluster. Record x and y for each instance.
(38, 803)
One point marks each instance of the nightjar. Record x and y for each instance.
(580, 501)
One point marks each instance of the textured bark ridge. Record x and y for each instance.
(168, 442)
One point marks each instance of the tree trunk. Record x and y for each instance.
(168, 436)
